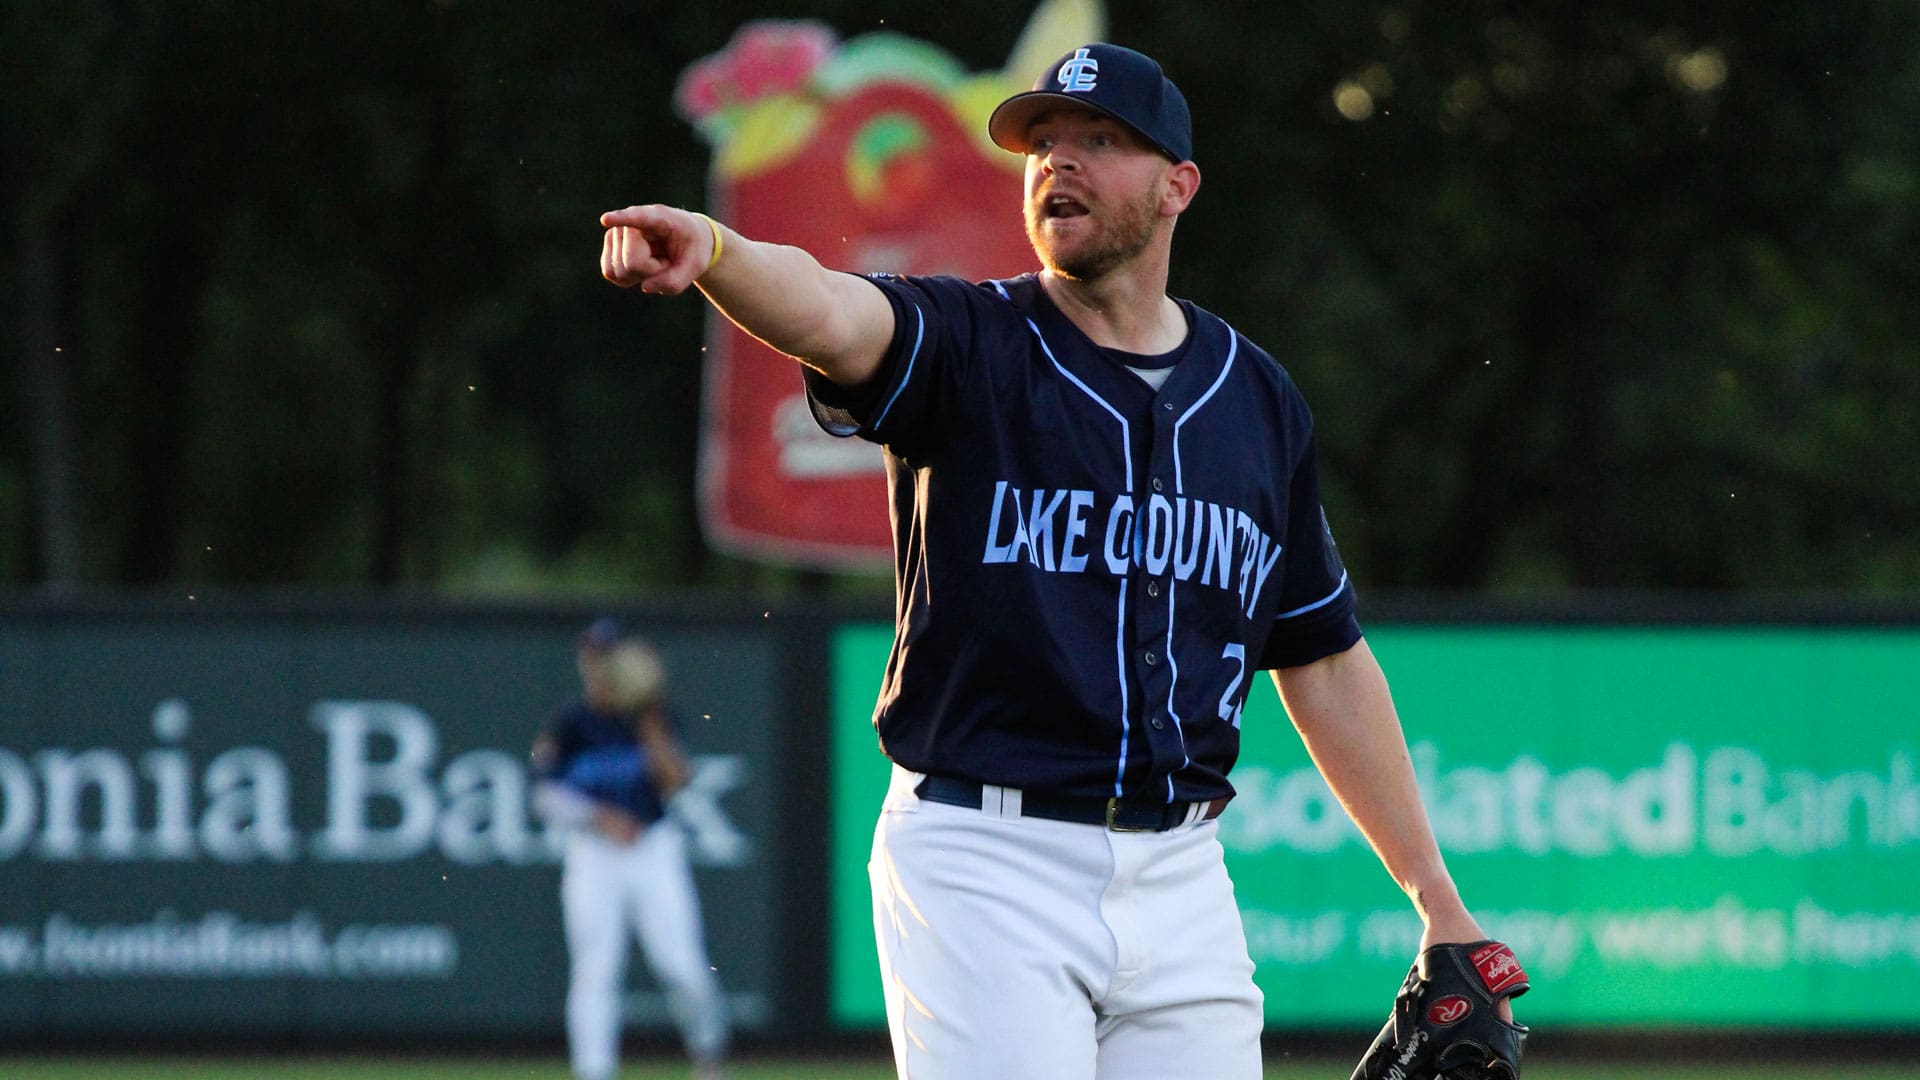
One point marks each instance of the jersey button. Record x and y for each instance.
(1156, 483)
(1151, 658)
(1159, 723)
(1153, 587)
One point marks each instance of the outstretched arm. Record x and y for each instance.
(839, 324)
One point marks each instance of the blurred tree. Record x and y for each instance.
(82, 93)
(1614, 295)
(1568, 284)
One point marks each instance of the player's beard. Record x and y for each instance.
(1118, 236)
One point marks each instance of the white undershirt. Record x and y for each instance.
(1155, 377)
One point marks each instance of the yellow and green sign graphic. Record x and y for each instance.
(871, 153)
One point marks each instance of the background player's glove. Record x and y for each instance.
(1444, 1024)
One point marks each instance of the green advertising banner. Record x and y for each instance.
(259, 823)
(1673, 826)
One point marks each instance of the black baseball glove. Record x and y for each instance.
(1444, 1024)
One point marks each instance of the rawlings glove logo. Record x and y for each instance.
(1448, 1010)
(1498, 968)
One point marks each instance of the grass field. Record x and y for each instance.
(357, 1068)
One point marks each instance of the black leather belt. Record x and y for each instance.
(1120, 815)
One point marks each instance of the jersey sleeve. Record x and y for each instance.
(901, 405)
(1316, 617)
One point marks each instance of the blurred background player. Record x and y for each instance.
(607, 766)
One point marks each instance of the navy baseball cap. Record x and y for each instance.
(1124, 84)
(603, 633)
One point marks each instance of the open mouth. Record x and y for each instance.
(1063, 206)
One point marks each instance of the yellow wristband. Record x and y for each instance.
(718, 243)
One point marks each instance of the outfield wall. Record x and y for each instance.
(309, 820)
(314, 821)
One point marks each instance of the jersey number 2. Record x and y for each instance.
(1230, 701)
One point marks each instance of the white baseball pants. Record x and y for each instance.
(1025, 949)
(609, 895)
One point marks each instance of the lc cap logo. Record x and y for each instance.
(1449, 1010)
(1078, 74)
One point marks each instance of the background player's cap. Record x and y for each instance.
(1124, 84)
(603, 633)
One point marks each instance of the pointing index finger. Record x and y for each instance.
(631, 216)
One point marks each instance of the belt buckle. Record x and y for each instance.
(1113, 807)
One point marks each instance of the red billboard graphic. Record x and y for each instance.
(872, 154)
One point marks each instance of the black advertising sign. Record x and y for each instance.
(272, 824)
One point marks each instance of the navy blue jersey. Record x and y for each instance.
(599, 755)
(1090, 572)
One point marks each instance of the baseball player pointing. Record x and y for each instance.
(1106, 519)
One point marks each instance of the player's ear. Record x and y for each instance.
(1183, 181)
